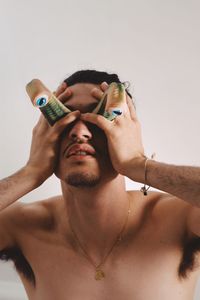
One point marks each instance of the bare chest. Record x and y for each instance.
(145, 267)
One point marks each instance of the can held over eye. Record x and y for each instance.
(52, 109)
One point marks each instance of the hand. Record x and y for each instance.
(123, 136)
(45, 140)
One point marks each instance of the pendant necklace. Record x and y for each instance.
(99, 273)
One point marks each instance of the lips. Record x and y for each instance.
(78, 149)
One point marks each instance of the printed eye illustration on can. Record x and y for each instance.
(41, 101)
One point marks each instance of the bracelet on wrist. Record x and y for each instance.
(144, 189)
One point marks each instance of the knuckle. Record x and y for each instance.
(98, 118)
(51, 154)
(118, 120)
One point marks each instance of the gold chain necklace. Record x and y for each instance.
(99, 273)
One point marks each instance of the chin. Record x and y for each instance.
(82, 179)
(79, 175)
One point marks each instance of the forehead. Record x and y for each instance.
(81, 97)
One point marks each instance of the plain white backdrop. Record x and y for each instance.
(154, 44)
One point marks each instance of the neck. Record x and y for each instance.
(97, 214)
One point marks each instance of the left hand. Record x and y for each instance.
(123, 136)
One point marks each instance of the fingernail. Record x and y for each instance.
(63, 84)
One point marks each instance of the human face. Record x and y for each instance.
(80, 138)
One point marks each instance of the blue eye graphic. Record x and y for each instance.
(41, 101)
(117, 112)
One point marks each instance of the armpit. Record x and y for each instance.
(189, 258)
(21, 264)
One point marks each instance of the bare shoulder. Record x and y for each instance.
(33, 214)
(19, 219)
(163, 207)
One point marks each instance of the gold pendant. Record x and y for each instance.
(99, 274)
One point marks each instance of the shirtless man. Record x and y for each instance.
(98, 241)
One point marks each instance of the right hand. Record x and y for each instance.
(45, 141)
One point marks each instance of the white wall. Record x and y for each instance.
(155, 44)
(12, 291)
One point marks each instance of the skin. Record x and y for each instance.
(144, 264)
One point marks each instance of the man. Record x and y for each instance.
(97, 240)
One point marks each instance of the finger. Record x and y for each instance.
(131, 107)
(43, 123)
(71, 117)
(98, 120)
(97, 93)
(63, 97)
(104, 86)
(61, 88)
(60, 125)
(54, 131)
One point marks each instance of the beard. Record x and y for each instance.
(83, 180)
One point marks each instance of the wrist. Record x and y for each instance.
(139, 168)
(136, 169)
(33, 175)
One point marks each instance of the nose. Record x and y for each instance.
(80, 132)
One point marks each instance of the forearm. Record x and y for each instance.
(15, 186)
(180, 181)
